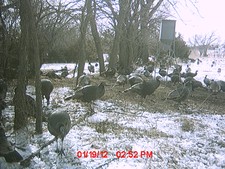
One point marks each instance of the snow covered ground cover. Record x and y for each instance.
(175, 139)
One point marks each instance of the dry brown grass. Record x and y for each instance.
(156, 102)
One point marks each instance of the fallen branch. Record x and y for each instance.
(200, 106)
(106, 163)
(26, 162)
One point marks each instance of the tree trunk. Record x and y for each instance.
(144, 13)
(82, 38)
(20, 120)
(4, 50)
(148, 8)
(96, 37)
(124, 6)
(34, 47)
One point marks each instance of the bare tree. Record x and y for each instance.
(85, 18)
(8, 25)
(131, 25)
(21, 119)
(96, 36)
(34, 51)
(148, 9)
(203, 42)
(29, 44)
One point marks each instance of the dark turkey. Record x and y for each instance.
(91, 68)
(146, 73)
(32, 108)
(59, 125)
(189, 74)
(64, 72)
(145, 88)
(188, 69)
(149, 68)
(134, 79)
(222, 85)
(89, 93)
(121, 80)
(110, 72)
(214, 87)
(46, 89)
(177, 69)
(162, 72)
(195, 83)
(30, 104)
(6, 149)
(175, 78)
(52, 75)
(219, 70)
(84, 80)
(181, 93)
(3, 89)
(206, 81)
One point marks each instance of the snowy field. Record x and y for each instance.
(131, 130)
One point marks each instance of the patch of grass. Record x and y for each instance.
(102, 127)
(187, 125)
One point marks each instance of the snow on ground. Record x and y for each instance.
(118, 127)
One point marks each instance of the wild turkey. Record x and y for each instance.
(149, 68)
(214, 87)
(189, 74)
(175, 72)
(219, 70)
(52, 75)
(134, 79)
(84, 80)
(188, 69)
(198, 61)
(59, 125)
(170, 74)
(206, 81)
(145, 88)
(222, 85)
(31, 106)
(89, 93)
(177, 69)
(195, 83)
(110, 72)
(6, 149)
(46, 89)
(181, 93)
(162, 72)
(146, 73)
(175, 78)
(121, 80)
(91, 68)
(64, 72)
(3, 89)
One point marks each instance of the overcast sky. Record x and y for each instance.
(209, 19)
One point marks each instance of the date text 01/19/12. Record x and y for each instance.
(118, 154)
(92, 154)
